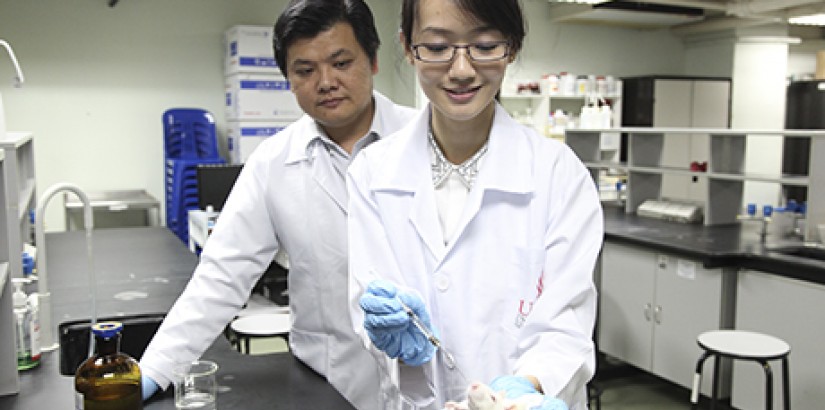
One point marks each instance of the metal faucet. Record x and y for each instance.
(47, 339)
(19, 79)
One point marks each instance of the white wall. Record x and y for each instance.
(99, 78)
(593, 49)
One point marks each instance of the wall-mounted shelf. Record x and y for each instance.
(725, 176)
(17, 197)
(541, 106)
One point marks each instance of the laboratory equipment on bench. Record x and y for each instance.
(449, 359)
(684, 212)
(765, 218)
(110, 379)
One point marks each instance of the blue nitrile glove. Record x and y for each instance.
(513, 386)
(390, 328)
(149, 386)
(517, 386)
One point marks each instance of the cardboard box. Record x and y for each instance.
(244, 136)
(248, 49)
(260, 97)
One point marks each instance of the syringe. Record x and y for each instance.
(449, 360)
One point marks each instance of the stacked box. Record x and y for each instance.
(248, 49)
(258, 99)
(244, 136)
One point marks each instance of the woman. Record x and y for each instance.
(486, 230)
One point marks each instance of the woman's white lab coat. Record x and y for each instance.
(288, 196)
(513, 292)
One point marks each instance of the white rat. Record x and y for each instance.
(481, 397)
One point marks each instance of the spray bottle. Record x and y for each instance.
(22, 314)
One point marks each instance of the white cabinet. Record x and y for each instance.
(789, 309)
(17, 197)
(652, 306)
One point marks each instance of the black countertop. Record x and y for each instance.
(142, 271)
(723, 246)
(263, 382)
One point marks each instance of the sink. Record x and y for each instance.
(805, 251)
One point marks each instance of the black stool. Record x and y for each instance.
(742, 345)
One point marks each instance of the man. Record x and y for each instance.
(291, 195)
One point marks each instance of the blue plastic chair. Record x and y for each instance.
(189, 133)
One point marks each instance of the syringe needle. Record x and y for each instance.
(449, 360)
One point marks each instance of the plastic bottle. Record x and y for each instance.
(605, 117)
(34, 326)
(109, 379)
(567, 84)
(32, 228)
(581, 85)
(211, 218)
(22, 315)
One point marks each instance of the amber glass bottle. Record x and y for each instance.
(109, 380)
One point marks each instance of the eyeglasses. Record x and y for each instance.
(479, 52)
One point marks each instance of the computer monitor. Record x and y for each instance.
(215, 181)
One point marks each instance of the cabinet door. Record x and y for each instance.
(688, 302)
(625, 304)
(791, 310)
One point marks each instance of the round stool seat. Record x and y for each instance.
(744, 344)
(262, 324)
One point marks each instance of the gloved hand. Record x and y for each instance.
(149, 386)
(390, 327)
(517, 386)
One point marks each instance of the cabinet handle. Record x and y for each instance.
(647, 311)
(657, 315)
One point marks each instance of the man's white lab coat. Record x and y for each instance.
(288, 196)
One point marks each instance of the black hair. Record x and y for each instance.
(503, 15)
(302, 19)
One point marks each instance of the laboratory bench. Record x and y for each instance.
(275, 381)
(663, 283)
(734, 246)
(140, 271)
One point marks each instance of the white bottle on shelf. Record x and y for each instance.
(211, 218)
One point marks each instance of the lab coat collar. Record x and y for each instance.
(507, 168)
(309, 131)
(506, 164)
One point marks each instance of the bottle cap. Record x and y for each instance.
(28, 264)
(107, 329)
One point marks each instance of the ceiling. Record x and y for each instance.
(685, 17)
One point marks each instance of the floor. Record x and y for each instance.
(638, 390)
(623, 387)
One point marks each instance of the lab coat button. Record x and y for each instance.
(442, 282)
